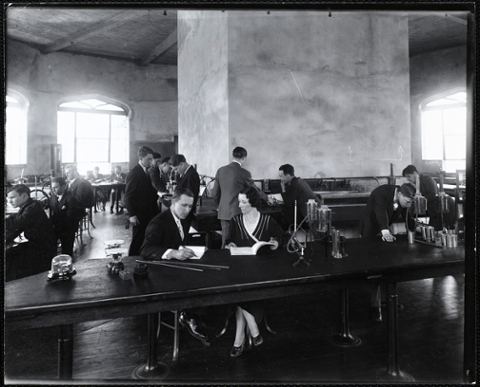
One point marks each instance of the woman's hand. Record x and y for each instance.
(231, 244)
(275, 244)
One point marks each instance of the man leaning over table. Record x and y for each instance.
(384, 207)
(165, 237)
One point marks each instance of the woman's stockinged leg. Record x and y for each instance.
(240, 330)
(252, 325)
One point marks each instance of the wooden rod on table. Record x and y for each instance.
(216, 267)
(169, 265)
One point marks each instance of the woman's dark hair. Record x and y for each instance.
(252, 196)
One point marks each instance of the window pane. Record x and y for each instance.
(455, 121)
(92, 150)
(432, 135)
(120, 139)
(455, 147)
(92, 125)
(66, 135)
(453, 165)
(16, 136)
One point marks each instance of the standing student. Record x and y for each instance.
(140, 198)
(229, 181)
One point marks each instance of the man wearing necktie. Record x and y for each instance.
(140, 198)
(65, 213)
(165, 238)
(384, 207)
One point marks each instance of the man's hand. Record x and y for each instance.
(134, 220)
(181, 255)
(231, 244)
(387, 237)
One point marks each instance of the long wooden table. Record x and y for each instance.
(93, 294)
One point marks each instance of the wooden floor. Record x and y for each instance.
(301, 351)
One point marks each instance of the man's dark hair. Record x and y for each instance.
(20, 189)
(179, 192)
(252, 195)
(239, 152)
(409, 170)
(287, 169)
(176, 159)
(157, 155)
(408, 190)
(144, 151)
(59, 180)
(165, 160)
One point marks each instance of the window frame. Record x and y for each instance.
(23, 106)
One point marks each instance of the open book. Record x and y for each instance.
(249, 250)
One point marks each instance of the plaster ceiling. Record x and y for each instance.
(148, 36)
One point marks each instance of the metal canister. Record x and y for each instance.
(424, 232)
(449, 240)
(411, 237)
(444, 239)
(430, 234)
(455, 240)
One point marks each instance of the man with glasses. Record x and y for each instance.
(140, 198)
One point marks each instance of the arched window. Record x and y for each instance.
(16, 129)
(444, 130)
(93, 133)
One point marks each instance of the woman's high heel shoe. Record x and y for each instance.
(257, 340)
(237, 351)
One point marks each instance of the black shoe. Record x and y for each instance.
(111, 210)
(377, 314)
(237, 351)
(191, 326)
(257, 340)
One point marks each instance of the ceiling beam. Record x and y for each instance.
(160, 49)
(103, 26)
(456, 19)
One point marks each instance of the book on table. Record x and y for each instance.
(249, 250)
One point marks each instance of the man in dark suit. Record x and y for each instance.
(35, 255)
(229, 181)
(65, 213)
(81, 189)
(164, 238)
(294, 189)
(384, 207)
(140, 199)
(187, 177)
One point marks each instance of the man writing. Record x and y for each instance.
(294, 189)
(34, 256)
(165, 238)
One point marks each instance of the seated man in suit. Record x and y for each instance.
(116, 177)
(81, 189)
(294, 189)
(187, 177)
(165, 236)
(34, 256)
(385, 205)
(65, 213)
